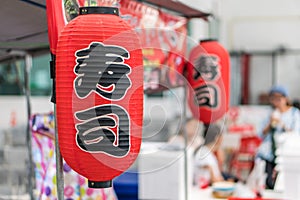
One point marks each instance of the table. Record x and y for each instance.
(241, 191)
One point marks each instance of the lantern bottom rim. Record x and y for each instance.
(99, 184)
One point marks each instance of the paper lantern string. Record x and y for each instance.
(99, 92)
(209, 78)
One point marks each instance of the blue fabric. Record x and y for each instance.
(126, 185)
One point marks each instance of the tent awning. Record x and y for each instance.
(178, 7)
(24, 22)
(23, 25)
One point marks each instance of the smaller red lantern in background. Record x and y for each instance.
(208, 76)
(99, 94)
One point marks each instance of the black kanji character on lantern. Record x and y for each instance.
(101, 68)
(207, 95)
(206, 67)
(104, 129)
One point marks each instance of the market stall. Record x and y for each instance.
(22, 42)
(163, 42)
(164, 39)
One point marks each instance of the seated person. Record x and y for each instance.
(206, 167)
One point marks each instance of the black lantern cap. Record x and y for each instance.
(208, 40)
(98, 10)
(100, 184)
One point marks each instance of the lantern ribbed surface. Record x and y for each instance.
(99, 94)
(209, 79)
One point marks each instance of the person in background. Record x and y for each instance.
(282, 118)
(193, 130)
(206, 166)
(219, 153)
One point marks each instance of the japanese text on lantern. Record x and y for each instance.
(103, 128)
(207, 69)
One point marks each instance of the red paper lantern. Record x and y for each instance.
(208, 75)
(99, 94)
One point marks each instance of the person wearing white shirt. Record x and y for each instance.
(206, 167)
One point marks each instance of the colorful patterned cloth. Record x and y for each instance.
(75, 186)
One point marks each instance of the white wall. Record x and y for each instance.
(288, 73)
(256, 24)
(198, 27)
(260, 76)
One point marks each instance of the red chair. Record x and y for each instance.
(257, 198)
(243, 161)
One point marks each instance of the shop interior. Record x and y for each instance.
(263, 49)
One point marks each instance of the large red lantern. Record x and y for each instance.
(208, 75)
(99, 93)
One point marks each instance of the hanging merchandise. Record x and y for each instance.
(99, 93)
(208, 76)
(43, 155)
(164, 40)
(59, 13)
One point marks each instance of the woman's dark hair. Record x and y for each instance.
(211, 132)
(296, 103)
